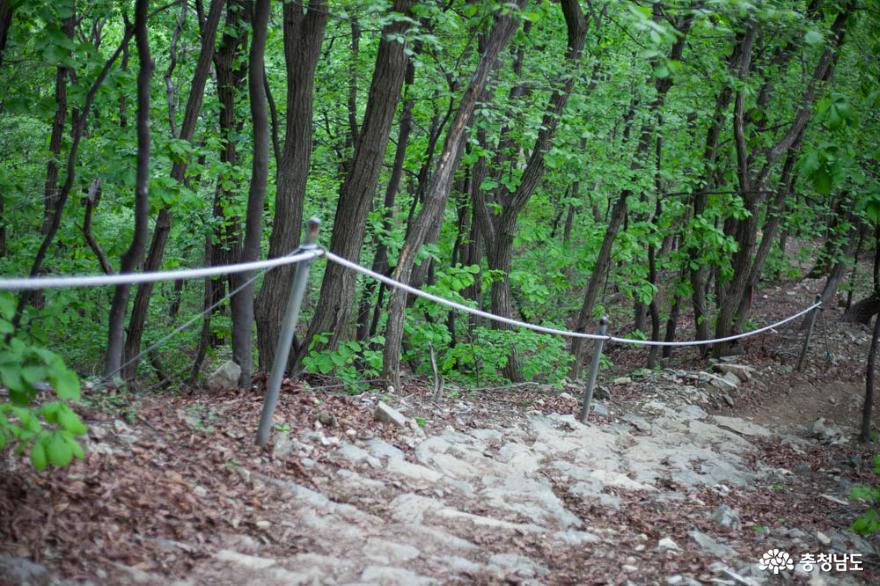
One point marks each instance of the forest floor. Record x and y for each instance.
(674, 481)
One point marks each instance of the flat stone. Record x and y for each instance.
(414, 471)
(668, 543)
(388, 414)
(741, 371)
(248, 561)
(741, 426)
(727, 517)
(391, 576)
(711, 546)
(22, 571)
(388, 552)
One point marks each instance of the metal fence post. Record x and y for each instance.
(594, 369)
(288, 328)
(809, 335)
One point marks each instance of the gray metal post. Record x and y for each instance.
(288, 328)
(594, 369)
(809, 335)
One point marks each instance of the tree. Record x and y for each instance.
(504, 24)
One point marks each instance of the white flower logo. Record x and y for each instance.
(776, 560)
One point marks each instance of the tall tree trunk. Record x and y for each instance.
(7, 11)
(499, 230)
(303, 34)
(138, 316)
(437, 194)
(77, 128)
(356, 195)
(619, 210)
(753, 186)
(50, 188)
(242, 303)
(133, 257)
(865, 435)
(380, 260)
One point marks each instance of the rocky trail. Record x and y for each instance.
(685, 475)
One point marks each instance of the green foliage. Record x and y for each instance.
(47, 428)
(869, 523)
(353, 363)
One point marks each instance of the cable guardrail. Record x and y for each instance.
(75, 281)
(302, 259)
(547, 330)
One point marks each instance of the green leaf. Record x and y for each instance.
(38, 456)
(59, 451)
(66, 383)
(70, 421)
(813, 38)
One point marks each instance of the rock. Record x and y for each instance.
(741, 371)
(678, 579)
(668, 543)
(390, 576)
(741, 426)
(283, 446)
(727, 518)
(387, 552)
(711, 546)
(565, 396)
(823, 539)
(826, 433)
(729, 400)
(600, 410)
(803, 469)
(622, 380)
(388, 414)
(327, 419)
(718, 382)
(602, 392)
(225, 377)
(732, 378)
(248, 561)
(24, 572)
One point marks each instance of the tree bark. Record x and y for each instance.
(380, 260)
(303, 35)
(242, 303)
(355, 196)
(78, 125)
(504, 25)
(865, 436)
(50, 188)
(619, 210)
(753, 186)
(7, 11)
(499, 230)
(138, 316)
(133, 257)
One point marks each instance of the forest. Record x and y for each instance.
(547, 161)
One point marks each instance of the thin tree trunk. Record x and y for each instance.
(242, 303)
(504, 26)
(153, 262)
(867, 407)
(303, 35)
(380, 260)
(133, 257)
(50, 188)
(356, 195)
(77, 128)
(499, 230)
(7, 11)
